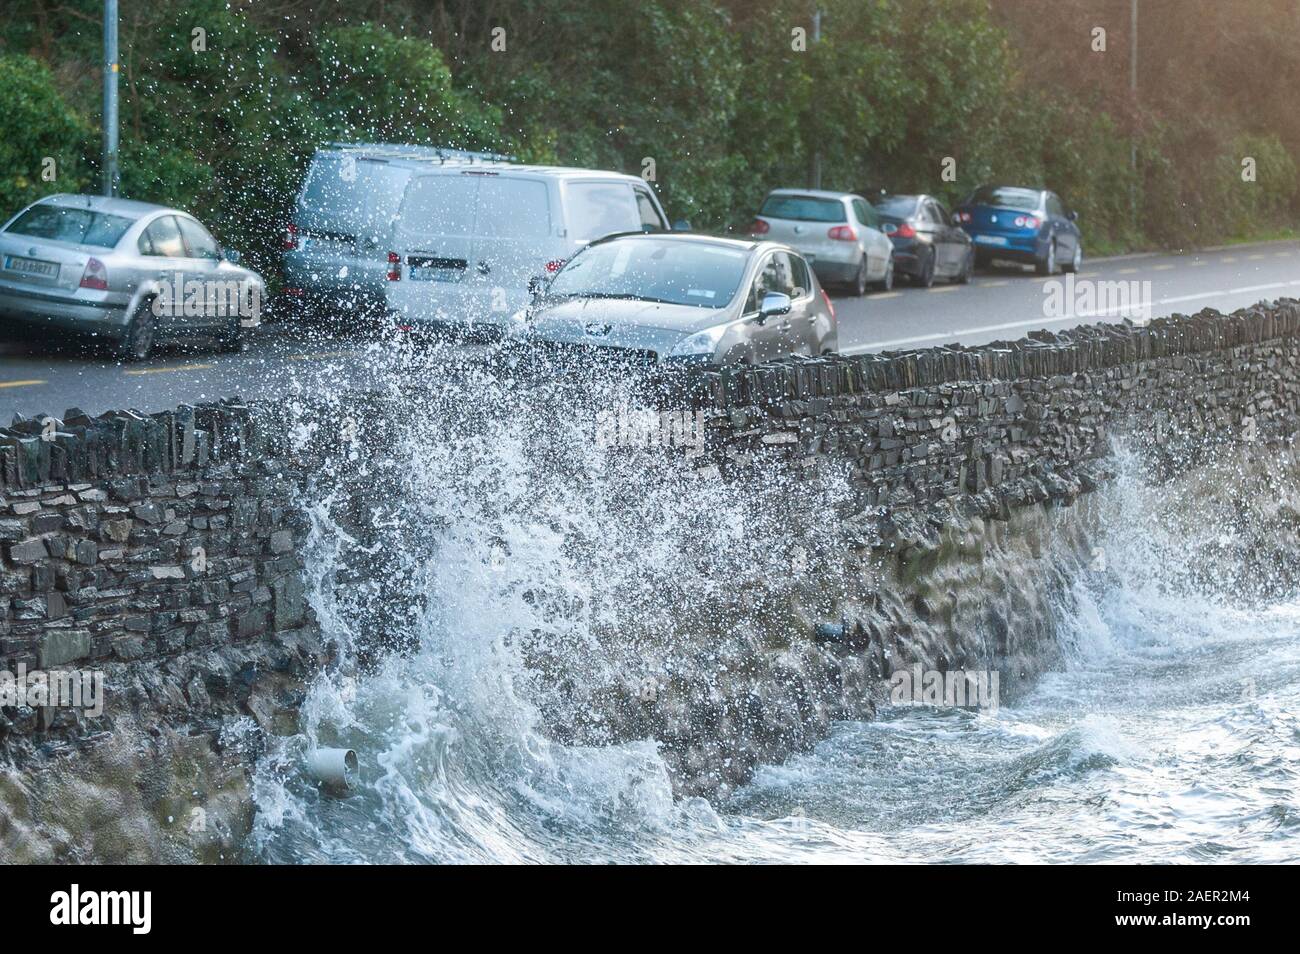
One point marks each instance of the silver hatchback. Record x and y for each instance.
(674, 297)
(124, 272)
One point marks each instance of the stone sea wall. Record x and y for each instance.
(167, 550)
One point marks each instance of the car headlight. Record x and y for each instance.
(702, 342)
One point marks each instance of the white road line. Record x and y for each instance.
(1040, 322)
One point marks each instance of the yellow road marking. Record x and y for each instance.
(1199, 261)
(1161, 268)
(996, 284)
(20, 384)
(1281, 254)
(1128, 271)
(1254, 258)
(888, 295)
(175, 367)
(943, 288)
(1227, 259)
(1089, 274)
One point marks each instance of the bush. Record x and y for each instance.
(37, 125)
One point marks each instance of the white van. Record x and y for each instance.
(336, 245)
(470, 240)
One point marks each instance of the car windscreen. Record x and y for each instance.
(672, 272)
(64, 224)
(897, 206)
(1006, 197)
(803, 208)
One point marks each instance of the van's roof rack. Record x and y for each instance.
(389, 150)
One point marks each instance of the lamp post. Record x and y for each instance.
(108, 169)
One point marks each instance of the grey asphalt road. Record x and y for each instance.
(999, 304)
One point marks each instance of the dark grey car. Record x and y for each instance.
(671, 298)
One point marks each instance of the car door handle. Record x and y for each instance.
(484, 268)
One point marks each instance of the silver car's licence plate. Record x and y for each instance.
(31, 266)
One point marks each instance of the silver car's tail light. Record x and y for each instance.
(394, 267)
(290, 242)
(95, 276)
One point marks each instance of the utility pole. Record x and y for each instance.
(108, 169)
(816, 173)
(1133, 94)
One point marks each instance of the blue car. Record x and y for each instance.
(1024, 225)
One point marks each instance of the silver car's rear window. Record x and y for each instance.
(79, 226)
(803, 208)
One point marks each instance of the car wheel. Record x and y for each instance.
(887, 282)
(859, 286)
(926, 278)
(136, 343)
(967, 268)
(1076, 260)
(1048, 265)
(233, 340)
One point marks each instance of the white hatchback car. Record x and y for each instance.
(839, 233)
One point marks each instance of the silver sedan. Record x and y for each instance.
(125, 272)
(671, 298)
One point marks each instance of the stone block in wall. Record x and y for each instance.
(58, 647)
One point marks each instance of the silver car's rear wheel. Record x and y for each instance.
(860, 279)
(137, 343)
(887, 282)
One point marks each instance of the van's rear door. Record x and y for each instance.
(513, 239)
(434, 240)
(344, 218)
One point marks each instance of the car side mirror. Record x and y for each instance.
(1074, 215)
(956, 219)
(230, 255)
(536, 288)
(681, 225)
(774, 303)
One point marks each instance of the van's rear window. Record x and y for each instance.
(63, 224)
(803, 208)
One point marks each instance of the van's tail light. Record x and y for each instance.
(829, 307)
(290, 241)
(1026, 222)
(843, 233)
(554, 265)
(759, 227)
(394, 267)
(95, 276)
(904, 230)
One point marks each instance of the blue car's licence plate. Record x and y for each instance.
(991, 239)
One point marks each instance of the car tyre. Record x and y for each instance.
(1076, 260)
(233, 340)
(967, 269)
(887, 282)
(1047, 266)
(136, 343)
(926, 277)
(859, 285)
